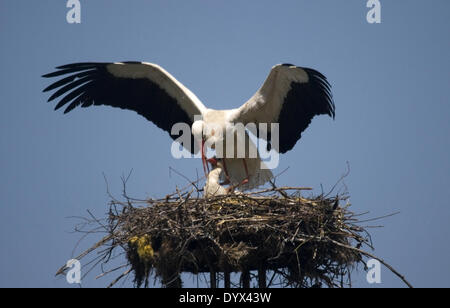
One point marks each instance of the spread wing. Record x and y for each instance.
(144, 88)
(291, 96)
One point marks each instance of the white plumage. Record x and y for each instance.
(291, 96)
(257, 172)
(213, 187)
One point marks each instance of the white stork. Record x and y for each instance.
(291, 96)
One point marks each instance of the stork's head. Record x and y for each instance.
(197, 130)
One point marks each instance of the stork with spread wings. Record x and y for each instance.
(291, 96)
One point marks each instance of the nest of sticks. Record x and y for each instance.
(271, 238)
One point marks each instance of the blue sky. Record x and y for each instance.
(390, 83)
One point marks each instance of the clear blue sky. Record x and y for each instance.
(390, 82)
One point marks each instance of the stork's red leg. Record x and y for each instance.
(225, 170)
(247, 176)
(205, 163)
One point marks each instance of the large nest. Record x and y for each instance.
(242, 233)
(287, 239)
